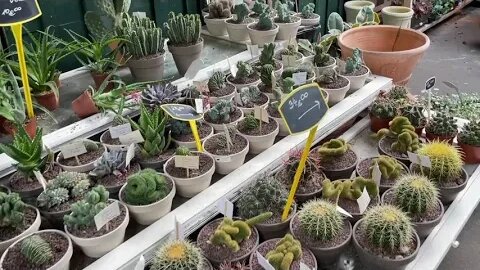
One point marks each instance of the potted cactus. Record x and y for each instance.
(353, 8)
(148, 195)
(334, 84)
(159, 94)
(246, 76)
(285, 87)
(219, 11)
(259, 7)
(184, 41)
(441, 127)
(219, 88)
(114, 144)
(398, 139)
(446, 169)
(47, 249)
(267, 58)
(321, 59)
(179, 254)
(230, 239)
(266, 195)
(228, 154)
(266, 86)
(469, 142)
(291, 50)
(260, 135)
(338, 160)
(264, 31)
(182, 133)
(390, 168)
(287, 23)
(311, 180)
(385, 238)
(80, 224)
(322, 229)
(283, 253)
(354, 70)
(84, 162)
(417, 196)
(250, 97)
(17, 219)
(190, 182)
(224, 112)
(237, 27)
(288, 72)
(308, 15)
(414, 113)
(61, 192)
(381, 112)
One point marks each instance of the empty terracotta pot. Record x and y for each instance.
(471, 153)
(30, 127)
(49, 100)
(387, 50)
(84, 106)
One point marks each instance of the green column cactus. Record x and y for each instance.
(178, 255)
(283, 14)
(242, 12)
(146, 187)
(109, 16)
(403, 134)
(11, 210)
(320, 220)
(415, 194)
(182, 29)
(389, 167)
(84, 211)
(286, 251)
(265, 22)
(333, 148)
(266, 74)
(216, 82)
(446, 161)
(267, 54)
(36, 250)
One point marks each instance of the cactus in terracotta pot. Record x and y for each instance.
(443, 126)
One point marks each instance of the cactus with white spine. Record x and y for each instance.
(178, 255)
(320, 220)
(415, 194)
(182, 29)
(220, 9)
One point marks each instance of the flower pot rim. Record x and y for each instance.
(229, 123)
(173, 190)
(265, 135)
(216, 19)
(148, 57)
(221, 133)
(43, 93)
(466, 144)
(357, 76)
(407, 169)
(57, 160)
(191, 178)
(228, 21)
(249, 27)
(261, 105)
(398, 11)
(106, 144)
(200, 41)
(297, 20)
(358, 4)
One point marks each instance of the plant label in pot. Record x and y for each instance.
(106, 215)
(131, 138)
(120, 130)
(73, 149)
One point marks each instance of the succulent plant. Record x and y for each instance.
(286, 251)
(217, 81)
(11, 210)
(62, 188)
(182, 29)
(178, 254)
(446, 161)
(221, 111)
(100, 23)
(354, 62)
(266, 195)
(415, 194)
(179, 128)
(403, 134)
(188, 95)
(266, 74)
(348, 189)
(110, 163)
(470, 134)
(414, 113)
(267, 55)
(333, 148)
(159, 94)
(241, 11)
(321, 58)
(389, 167)
(283, 14)
(36, 250)
(308, 11)
(328, 76)
(383, 107)
(233, 266)
(183, 151)
(320, 220)
(265, 22)
(84, 211)
(146, 187)
(387, 227)
(442, 124)
(260, 6)
(231, 233)
(245, 70)
(290, 50)
(220, 9)
(250, 122)
(249, 96)
(398, 93)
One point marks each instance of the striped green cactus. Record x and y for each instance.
(182, 29)
(143, 36)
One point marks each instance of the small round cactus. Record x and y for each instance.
(36, 250)
(146, 187)
(415, 194)
(179, 255)
(387, 227)
(446, 161)
(320, 220)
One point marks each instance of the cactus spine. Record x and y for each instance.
(144, 37)
(216, 82)
(320, 220)
(146, 187)
(219, 9)
(446, 161)
(442, 124)
(389, 167)
(286, 251)
(178, 255)
(36, 250)
(415, 194)
(182, 29)
(265, 23)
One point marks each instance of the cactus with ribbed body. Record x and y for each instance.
(266, 75)
(398, 93)
(348, 189)
(442, 124)
(265, 22)
(328, 76)
(414, 113)
(245, 70)
(183, 30)
(383, 108)
(179, 128)
(221, 111)
(389, 167)
(250, 122)
(321, 58)
(250, 96)
(159, 94)
(231, 233)
(220, 9)
(403, 134)
(333, 148)
(286, 251)
(109, 163)
(143, 37)
(387, 227)
(241, 11)
(178, 255)
(308, 11)
(266, 56)
(62, 188)
(470, 134)
(11, 210)
(415, 194)
(446, 161)
(109, 16)
(216, 82)
(320, 220)
(283, 13)
(84, 211)
(36, 250)
(146, 187)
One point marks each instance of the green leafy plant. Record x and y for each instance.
(333, 148)
(220, 9)
(267, 54)
(283, 13)
(146, 187)
(221, 111)
(12, 210)
(178, 254)
(111, 163)
(389, 167)
(320, 220)
(403, 134)
(265, 22)
(442, 124)
(36, 250)
(348, 189)
(159, 94)
(66, 186)
(241, 11)
(286, 251)
(109, 15)
(249, 96)
(84, 211)
(415, 194)
(470, 134)
(308, 11)
(446, 161)
(183, 30)
(217, 81)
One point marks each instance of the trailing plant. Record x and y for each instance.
(217, 82)
(159, 94)
(348, 189)
(241, 11)
(111, 163)
(220, 9)
(283, 14)
(308, 11)
(266, 75)
(442, 124)
(64, 187)
(286, 251)
(415, 194)
(267, 54)
(178, 254)
(414, 113)
(221, 111)
(320, 220)
(403, 134)
(12, 210)
(470, 134)
(183, 30)
(84, 211)
(383, 107)
(250, 96)
(446, 161)
(389, 167)
(36, 250)
(333, 148)
(146, 187)
(265, 22)
(109, 15)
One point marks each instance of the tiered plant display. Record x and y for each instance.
(390, 168)
(179, 254)
(80, 224)
(148, 195)
(264, 31)
(381, 112)
(321, 228)
(337, 159)
(335, 85)
(354, 70)
(322, 59)
(287, 23)
(246, 76)
(291, 50)
(385, 238)
(219, 11)
(224, 112)
(308, 15)
(182, 133)
(469, 142)
(259, 134)
(442, 127)
(267, 58)
(237, 27)
(219, 88)
(250, 97)
(84, 162)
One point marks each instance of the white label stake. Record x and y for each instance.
(264, 262)
(120, 130)
(299, 78)
(132, 137)
(343, 212)
(225, 207)
(199, 105)
(130, 154)
(376, 174)
(363, 201)
(140, 264)
(179, 230)
(73, 149)
(106, 215)
(40, 179)
(304, 266)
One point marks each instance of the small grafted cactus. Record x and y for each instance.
(242, 12)
(267, 54)
(470, 134)
(110, 163)
(250, 122)
(308, 11)
(245, 70)
(265, 22)
(231, 233)
(36, 250)
(183, 29)
(333, 148)
(320, 220)
(286, 251)
(348, 189)
(442, 124)
(402, 131)
(283, 13)
(221, 111)
(266, 75)
(389, 167)
(178, 254)
(84, 211)
(387, 227)
(11, 210)
(446, 161)
(328, 76)
(146, 187)
(216, 82)
(415, 194)
(220, 9)
(250, 96)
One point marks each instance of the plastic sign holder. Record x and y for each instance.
(185, 113)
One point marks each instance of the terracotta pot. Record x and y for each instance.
(471, 153)
(30, 127)
(98, 78)
(185, 55)
(433, 137)
(382, 54)
(377, 123)
(49, 100)
(84, 106)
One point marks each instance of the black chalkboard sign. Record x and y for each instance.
(181, 112)
(18, 11)
(430, 83)
(303, 108)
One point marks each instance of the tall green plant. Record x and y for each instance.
(109, 15)
(182, 29)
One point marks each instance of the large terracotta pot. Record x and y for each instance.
(382, 54)
(377, 123)
(84, 106)
(49, 100)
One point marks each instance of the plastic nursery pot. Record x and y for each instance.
(216, 27)
(192, 144)
(62, 263)
(261, 37)
(276, 230)
(30, 127)
(471, 153)
(55, 219)
(432, 137)
(185, 55)
(378, 262)
(148, 214)
(84, 106)
(353, 7)
(107, 141)
(49, 100)
(423, 228)
(387, 50)
(319, 70)
(357, 82)
(307, 256)
(213, 100)
(225, 164)
(385, 149)
(189, 187)
(155, 163)
(385, 183)
(81, 168)
(99, 78)
(286, 31)
(377, 123)
(96, 247)
(260, 143)
(148, 68)
(219, 127)
(337, 94)
(397, 15)
(33, 228)
(237, 31)
(315, 20)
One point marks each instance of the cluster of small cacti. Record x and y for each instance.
(178, 254)
(84, 211)
(241, 11)
(146, 187)
(250, 122)
(220, 9)
(266, 195)
(383, 107)
(159, 94)
(321, 57)
(183, 151)
(266, 75)
(389, 167)
(387, 227)
(183, 29)
(249, 96)
(333, 148)
(403, 134)
(286, 251)
(398, 93)
(36, 250)
(354, 62)
(245, 70)
(221, 111)
(470, 133)
(328, 76)
(111, 162)
(308, 11)
(65, 186)
(266, 56)
(415, 194)
(414, 113)
(231, 233)
(217, 81)
(348, 189)
(320, 220)
(143, 36)
(446, 161)
(283, 14)
(442, 124)
(109, 15)
(265, 22)
(11, 210)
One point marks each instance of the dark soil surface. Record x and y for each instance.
(341, 82)
(203, 131)
(267, 128)
(300, 235)
(162, 157)
(344, 161)
(227, 90)
(429, 215)
(363, 70)
(233, 117)
(212, 145)
(52, 173)
(312, 184)
(244, 80)
(7, 233)
(386, 145)
(259, 29)
(442, 184)
(113, 180)
(221, 253)
(107, 139)
(273, 112)
(260, 101)
(15, 260)
(84, 159)
(331, 61)
(363, 170)
(206, 162)
(352, 206)
(19, 182)
(265, 89)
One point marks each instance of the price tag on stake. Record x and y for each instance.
(264, 262)
(225, 207)
(107, 214)
(363, 201)
(40, 179)
(130, 154)
(181, 112)
(18, 11)
(299, 78)
(179, 230)
(73, 149)
(199, 105)
(343, 212)
(376, 174)
(132, 137)
(120, 130)
(253, 49)
(187, 162)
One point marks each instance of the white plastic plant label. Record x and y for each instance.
(304, 266)
(274, 79)
(253, 49)
(40, 179)
(179, 229)
(289, 60)
(120, 130)
(343, 212)
(140, 264)
(376, 174)
(225, 207)
(264, 262)
(199, 105)
(223, 159)
(238, 2)
(73, 149)
(260, 113)
(130, 154)
(132, 137)
(421, 160)
(193, 69)
(139, 14)
(187, 162)
(363, 201)
(299, 78)
(233, 67)
(107, 214)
